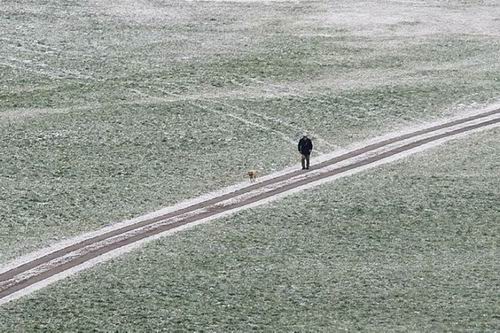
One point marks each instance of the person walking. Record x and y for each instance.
(305, 148)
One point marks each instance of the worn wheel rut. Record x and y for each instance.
(34, 271)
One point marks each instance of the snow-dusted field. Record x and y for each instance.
(408, 247)
(111, 109)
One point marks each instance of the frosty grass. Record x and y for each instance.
(122, 108)
(128, 106)
(409, 246)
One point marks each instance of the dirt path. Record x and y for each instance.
(35, 273)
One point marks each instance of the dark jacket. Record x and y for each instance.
(305, 146)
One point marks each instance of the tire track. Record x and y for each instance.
(25, 275)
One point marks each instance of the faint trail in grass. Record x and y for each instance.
(302, 95)
(23, 113)
(282, 135)
(39, 68)
(6, 64)
(298, 129)
(14, 45)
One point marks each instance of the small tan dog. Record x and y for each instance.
(252, 174)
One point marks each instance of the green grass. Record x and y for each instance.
(95, 147)
(65, 176)
(409, 246)
(86, 140)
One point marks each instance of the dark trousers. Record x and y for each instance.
(305, 161)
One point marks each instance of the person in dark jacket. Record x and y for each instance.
(305, 148)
